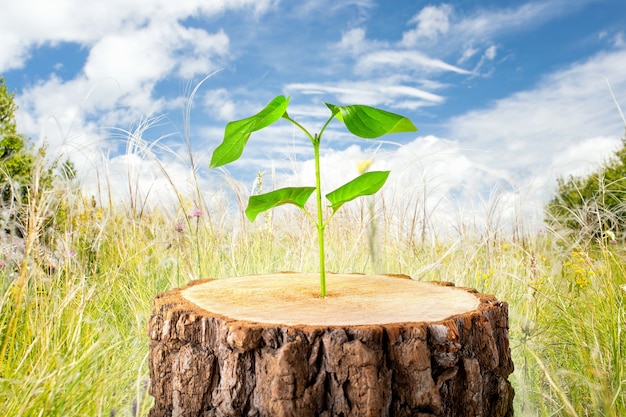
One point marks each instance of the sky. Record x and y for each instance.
(508, 96)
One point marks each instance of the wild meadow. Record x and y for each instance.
(77, 277)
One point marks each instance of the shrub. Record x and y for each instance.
(593, 206)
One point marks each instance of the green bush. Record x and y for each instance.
(593, 206)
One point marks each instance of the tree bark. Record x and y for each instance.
(212, 357)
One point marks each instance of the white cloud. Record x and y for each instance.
(566, 125)
(148, 54)
(372, 93)
(29, 24)
(490, 52)
(488, 55)
(585, 157)
(467, 54)
(565, 108)
(116, 86)
(441, 36)
(432, 183)
(131, 44)
(487, 23)
(407, 61)
(205, 53)
(13, 51)
(432, 21)
(130, 59)
(220, 105)
(445, 34)
(329, 7)
(354, 42)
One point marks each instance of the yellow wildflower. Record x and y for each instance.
(363, 166)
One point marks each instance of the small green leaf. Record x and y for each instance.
(365, 184)
(290, 195)
(237, 133)
(236, 136)
(369, 122)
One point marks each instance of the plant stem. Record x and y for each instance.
(320, 218)
(320, 224)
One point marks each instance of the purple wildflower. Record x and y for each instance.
(196, 213)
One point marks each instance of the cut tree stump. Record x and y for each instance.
(377, 345)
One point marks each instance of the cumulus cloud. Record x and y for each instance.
(30, 23)
(433, 183)
(566, 125)
(13, 51)
(131, 46)
(148, 54)
(565, 108)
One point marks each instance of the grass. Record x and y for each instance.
(73, 318)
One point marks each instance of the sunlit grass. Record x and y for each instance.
(74, 340)
(577, 336)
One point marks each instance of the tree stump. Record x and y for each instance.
(377, 345)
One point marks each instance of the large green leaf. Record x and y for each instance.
(365, 184)
(369, 122)
(290, 195)
(237, 133)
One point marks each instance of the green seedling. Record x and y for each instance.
(362, 121)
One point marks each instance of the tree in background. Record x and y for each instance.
(17, 156)
(595, 205)
(20, 174)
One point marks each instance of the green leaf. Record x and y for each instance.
(369, 122)
(290, 195)
(237, 133)
(365, 184)
(236, 136)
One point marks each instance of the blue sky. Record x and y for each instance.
(508, 95)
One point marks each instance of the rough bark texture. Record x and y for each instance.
(204, 364)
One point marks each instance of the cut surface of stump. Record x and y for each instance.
(377, 345)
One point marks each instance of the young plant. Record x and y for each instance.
(362, 121)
